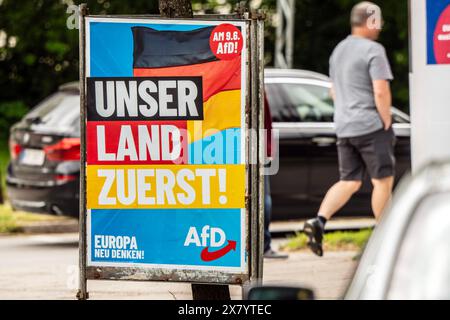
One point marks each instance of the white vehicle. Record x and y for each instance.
(408, 255)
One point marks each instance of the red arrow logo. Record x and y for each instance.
(211, 256)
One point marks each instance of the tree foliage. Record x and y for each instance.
(175, 8)
(38, 52)
(320, 25)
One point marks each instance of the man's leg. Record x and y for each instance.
(337, 197)
(351, 168)
(379, 158)
(382, 193)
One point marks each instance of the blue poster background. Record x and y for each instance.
(161, 234)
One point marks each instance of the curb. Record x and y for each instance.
(49, 227)
(283, 228)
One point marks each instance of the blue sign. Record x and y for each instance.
(166, 157)
(438, 31)
(181, 237)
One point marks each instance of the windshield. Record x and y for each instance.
(59, 112)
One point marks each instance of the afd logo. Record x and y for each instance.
(210, 238)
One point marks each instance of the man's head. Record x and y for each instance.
(366, 20)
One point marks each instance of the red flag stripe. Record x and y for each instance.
(217, 76)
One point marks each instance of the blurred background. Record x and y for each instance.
(38, 52)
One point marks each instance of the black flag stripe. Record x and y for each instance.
(159, 49)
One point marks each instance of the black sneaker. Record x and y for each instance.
(314, 231)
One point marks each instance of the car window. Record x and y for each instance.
(422, 269)
(295, 102)
(60, 111)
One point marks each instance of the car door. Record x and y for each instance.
(289, 185)
(304, 113)
(302, 109)
(311, 100)
(402, 129)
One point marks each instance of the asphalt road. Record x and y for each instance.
(46, 266)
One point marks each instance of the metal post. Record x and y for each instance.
(256, 124)
(261, 145)
(82, 293)
(252, 159)
(248, 147)
(409, 37)
(284, 43)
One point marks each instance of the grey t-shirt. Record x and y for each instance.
(354, 64)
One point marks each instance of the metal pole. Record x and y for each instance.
(82, 293)
(248, 147)
(409, 37)
(280, 61)
(256, 187)
(290, 34)
(261, 144)
(284, 43)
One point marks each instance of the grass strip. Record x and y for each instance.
(333, 241)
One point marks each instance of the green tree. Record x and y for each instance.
(320, 25)
(38, 52)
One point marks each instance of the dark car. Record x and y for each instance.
(302, 110)
(44, 171)
(43, 175)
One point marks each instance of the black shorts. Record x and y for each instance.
(373, 153)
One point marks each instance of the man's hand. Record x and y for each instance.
(388, 124)
(383, 101)
(332, 93)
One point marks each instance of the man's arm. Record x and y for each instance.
(383, 101)
(332, 93)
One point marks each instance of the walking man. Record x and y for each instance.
(361, 75)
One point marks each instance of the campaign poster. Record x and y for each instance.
(165, 144)
(438, 31)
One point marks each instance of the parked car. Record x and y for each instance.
(408, 255)
(43, 173)
(302, 110)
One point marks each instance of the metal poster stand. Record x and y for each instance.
(254, 191)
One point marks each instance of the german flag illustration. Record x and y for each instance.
(188, 53)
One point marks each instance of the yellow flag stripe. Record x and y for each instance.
(221, 111)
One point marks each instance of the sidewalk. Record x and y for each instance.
(328, 276)
(45, 267)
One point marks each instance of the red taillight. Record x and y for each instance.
(14, 149)
(65, 177)
(65, 150)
